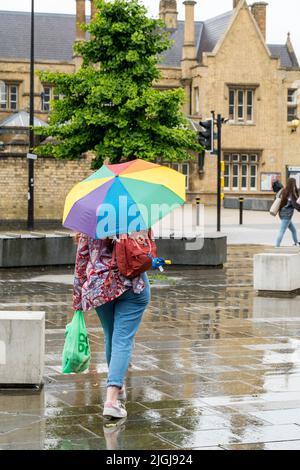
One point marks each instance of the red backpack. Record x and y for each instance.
(133, 253)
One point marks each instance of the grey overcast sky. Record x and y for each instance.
(283, 16)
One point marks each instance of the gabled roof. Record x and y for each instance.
(207, 36)
(21, 120)
(172, 57)
(281, 51)
(55, 36)
(213, 29)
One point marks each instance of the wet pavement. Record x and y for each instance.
(214, 367)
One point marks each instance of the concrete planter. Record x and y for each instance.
(186, 252)
(22, 348)
(29, 250)
(52, 250)
(277, 273)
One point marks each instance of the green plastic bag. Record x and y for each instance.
(76, 354)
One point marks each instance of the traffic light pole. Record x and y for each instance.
(219, 153)
(30, 216)
(206, 139)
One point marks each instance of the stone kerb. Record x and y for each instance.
(277, 273)
(22, 348)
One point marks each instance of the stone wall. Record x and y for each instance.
(53, 180)
(270, 134)
(18, 71)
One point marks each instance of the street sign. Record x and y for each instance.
(31, 156)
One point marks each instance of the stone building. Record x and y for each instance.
(223, 64)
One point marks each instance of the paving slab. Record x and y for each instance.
(207, 372)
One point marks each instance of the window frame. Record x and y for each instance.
(292, 106)
(51, 96)
(292, 112)
(251, 106)
(227, 175)
(237, 176)
(187, 174)
(179, 167)
(8, 93)
(241, 106)
(197, 100)
(238, 172)
(245, 165)
(252, 165)
(232, 115)
(294, 91)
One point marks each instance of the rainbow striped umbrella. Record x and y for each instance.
(123, 198)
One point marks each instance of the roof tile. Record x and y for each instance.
(55, 36)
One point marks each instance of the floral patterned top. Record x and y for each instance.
(92, 270)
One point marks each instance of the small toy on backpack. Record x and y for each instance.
(158, 263)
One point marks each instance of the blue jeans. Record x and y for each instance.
(120, 320)
(287, 224)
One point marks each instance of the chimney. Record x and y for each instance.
(171, 14)
(189, 45)
(235, 3)
(162, 9)
(80, 18)
(259, 11)
(94, 9)
(188, 53)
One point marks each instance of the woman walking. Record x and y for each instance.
(119, 302)
(288, 196)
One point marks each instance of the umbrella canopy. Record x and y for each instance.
(123, 198)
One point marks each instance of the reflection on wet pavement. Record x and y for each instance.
(214, 367)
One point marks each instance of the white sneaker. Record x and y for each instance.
(114, 411)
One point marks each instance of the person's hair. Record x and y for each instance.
(290, 190)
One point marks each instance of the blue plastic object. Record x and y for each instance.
(158, 263)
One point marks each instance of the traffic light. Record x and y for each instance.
(206, 135)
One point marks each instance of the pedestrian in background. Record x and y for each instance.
(288, 205)
(277, 185)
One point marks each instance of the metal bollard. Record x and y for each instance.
(198, 199)
(241, 199)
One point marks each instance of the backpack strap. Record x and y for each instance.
(150, 234)
(111, 264)
(279, 194)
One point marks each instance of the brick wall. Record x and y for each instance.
(53, 180)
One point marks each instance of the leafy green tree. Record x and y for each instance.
(109, 106)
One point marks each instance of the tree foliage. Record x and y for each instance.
(109, 106)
